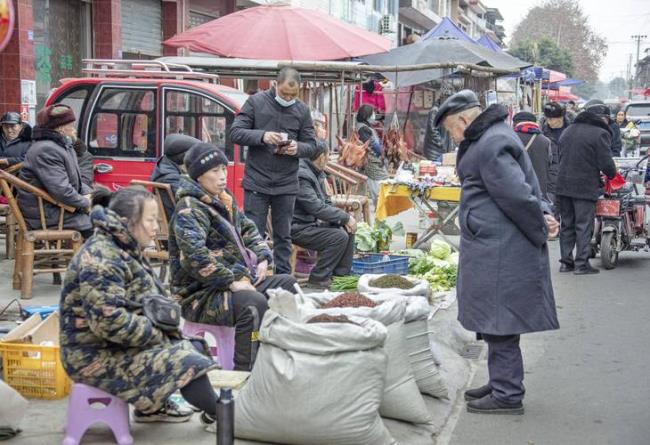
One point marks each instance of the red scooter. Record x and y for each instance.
(621, 215)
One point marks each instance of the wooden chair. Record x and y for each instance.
(347, 191)
(8, 221)
(159, 255)
(41, 250)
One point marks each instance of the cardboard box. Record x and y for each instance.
(36, 331)
(449, 159)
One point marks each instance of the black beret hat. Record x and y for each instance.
(524, 116)
(461, 101)
(553, 109)
(176, 144)
(598, 107)
(202, 157)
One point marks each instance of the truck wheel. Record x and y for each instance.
(608, 252)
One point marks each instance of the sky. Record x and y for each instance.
(616, 21)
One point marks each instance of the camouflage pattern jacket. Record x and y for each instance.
(105, 341)
(206, 238)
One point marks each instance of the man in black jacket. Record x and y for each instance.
(169, 167)
(555, 122)
(537, 146)
(15, 139)
(51, 164)
(320, 226)
(278, 130)
(584, 154)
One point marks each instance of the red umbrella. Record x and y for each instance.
(279, 32)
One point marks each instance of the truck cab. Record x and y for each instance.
(125, 109)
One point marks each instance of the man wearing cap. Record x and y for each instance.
(277, 129)
(537, 146)
(51, 164)
(584, 153)
(504, 279)
(170, 167)
(218, 260)
(15, 139)
(555, 122)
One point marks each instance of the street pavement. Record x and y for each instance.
(587, 383)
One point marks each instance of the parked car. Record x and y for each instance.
(124, 120)
(639, 112)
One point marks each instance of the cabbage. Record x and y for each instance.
(453, 258)
(440, 249)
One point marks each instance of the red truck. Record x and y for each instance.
(124, 116)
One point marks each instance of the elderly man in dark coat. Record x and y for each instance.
(15, 139)
(584, 153)
(321, 226)
(51, 164)
(504, 280)
(278, 130)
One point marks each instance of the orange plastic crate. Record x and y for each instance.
(34, 371)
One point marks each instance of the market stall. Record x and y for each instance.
(437, 196)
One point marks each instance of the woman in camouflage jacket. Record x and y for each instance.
(218, 259)
(105, 340)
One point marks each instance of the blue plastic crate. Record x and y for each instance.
(378, 264)
(43, 311)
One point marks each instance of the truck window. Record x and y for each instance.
(123, 124)
(200, 117)
(76, 99)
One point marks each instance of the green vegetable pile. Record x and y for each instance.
(377, 238)
(439, 266)
(391, 281)
(342, 284)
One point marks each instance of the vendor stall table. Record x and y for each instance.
(397, 198)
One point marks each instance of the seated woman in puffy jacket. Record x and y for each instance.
(106, 342)
(218, 260)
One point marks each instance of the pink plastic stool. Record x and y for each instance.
(223, 335)
(81, 415)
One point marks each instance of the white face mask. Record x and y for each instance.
(284, 103)
(372, 118)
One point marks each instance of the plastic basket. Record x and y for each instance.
(34, 371)
(377, 264)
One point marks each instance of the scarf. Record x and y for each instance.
(527, 127)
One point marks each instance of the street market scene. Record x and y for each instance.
(324, 222)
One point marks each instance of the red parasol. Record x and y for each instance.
(280, 32)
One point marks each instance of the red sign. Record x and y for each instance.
(24, 112)
(6, 22)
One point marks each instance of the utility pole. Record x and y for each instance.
(638, 38)
(629, 78)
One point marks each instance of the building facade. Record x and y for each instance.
(52, 37)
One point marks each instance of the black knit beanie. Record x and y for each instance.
(202, 157)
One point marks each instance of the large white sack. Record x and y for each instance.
(417, 308)
(402, 399)
(315, 384)
(423, 364)
(13, 407)
(421, 288)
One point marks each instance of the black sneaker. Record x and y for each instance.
(587, 270)
(208, 422)
(170, 413)
(490, 405)
(564, 268)
(477, 393)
